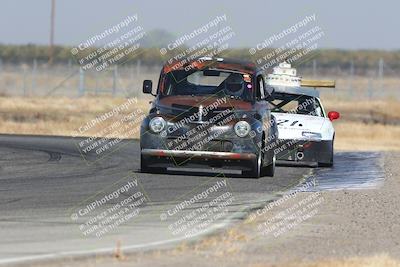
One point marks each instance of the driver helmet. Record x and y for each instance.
(307, 105)
(234, 84)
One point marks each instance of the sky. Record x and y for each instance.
(347, 24)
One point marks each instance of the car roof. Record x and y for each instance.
(214, 62)
(309, 91)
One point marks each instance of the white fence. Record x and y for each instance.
(69, 80)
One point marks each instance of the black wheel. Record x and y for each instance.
(330, 162)
(269, 170)
(256, 167)
(268, 166)
(144, 166)
(326, 164)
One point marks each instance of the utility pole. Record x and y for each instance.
(314, 65)
(34, 71)
(380, 73)
(81, 84)
(52, 15)
(115, 77)
(351, 78)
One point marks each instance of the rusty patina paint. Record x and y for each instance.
(196, 101)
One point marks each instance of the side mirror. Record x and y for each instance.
(147, 87)
(333, 115)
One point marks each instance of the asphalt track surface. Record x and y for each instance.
(46, 186)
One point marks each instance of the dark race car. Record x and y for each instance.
(212, 114)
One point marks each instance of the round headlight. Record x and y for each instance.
(157, 124)
(242, 128)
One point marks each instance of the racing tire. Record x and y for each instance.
(325, 164)
(256, 167)
(330, 162)
(269, 170)
(144, 166)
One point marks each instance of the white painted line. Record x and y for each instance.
(223, 224)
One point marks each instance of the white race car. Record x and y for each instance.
(306, 134)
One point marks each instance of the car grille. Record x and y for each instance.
(183, 111)
(213, 145)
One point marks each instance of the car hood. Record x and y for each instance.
(184, 102)
(292, 126)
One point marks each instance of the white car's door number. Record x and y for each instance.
(282, 122)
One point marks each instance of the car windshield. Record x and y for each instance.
(296, 104)
(208, 82)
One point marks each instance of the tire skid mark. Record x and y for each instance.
(11, 201)
(54, 156)
(352, 171)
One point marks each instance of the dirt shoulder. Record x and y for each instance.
(349, 224)
(341, 228)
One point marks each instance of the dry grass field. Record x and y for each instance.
(364, 125)
(374, 261)
(58, 115)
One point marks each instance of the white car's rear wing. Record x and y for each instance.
(318, 83)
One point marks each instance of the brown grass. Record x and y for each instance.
(56, 116)
(357, 136)
(366, 125)
(385, 111)
(374, 261)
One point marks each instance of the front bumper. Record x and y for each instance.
(198, 154)
(311, 152)
(204, 148)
